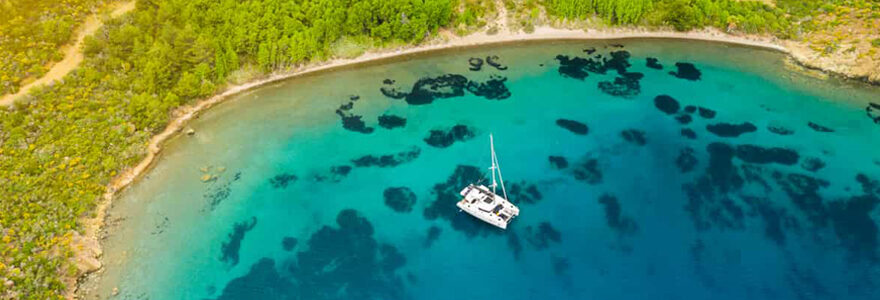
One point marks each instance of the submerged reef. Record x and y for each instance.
(399, 199)
(427, 89)
(666, 104)
(558, 162)
(542, 236)
(731, 130)
(475, 63)
(614, 217)
(281, 181)
(387, 160)
(219, 191)
(686, 71)
(634, 136)
(819, 128)
(391, 121)
(686, 160)
(653, 63)
(229, 249)
(587, 171)
(573, 126)
(350, 248)
(625, 85)
(524, 192)
(492, 89)
(350, 121)
(492, 60)
(445, 138)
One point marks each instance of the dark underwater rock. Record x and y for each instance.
(337, 173)
(626, 86)
(588, 171)
(684, 119)
(780, 130)
(666, 104)
(688, 133)
(690, 109)
(850, 218)
(219, 191)
(387, 160)
(634, 136)
(281, 181)
(399, 199)
(428, 89)
(354, 98)
(288, 243)
(492, 89)
(349, 248)
(686, 160)
(706, 113)
(775, 218)
(560, 265)
(760, 155)
(614, 217)
(229, 249)
(492, 60)
(573, 126)
(578, 68)
(812, 164)
(873, 112)
(475, 63)
(541, 237)
(391, 121)
(731, 130)
(524, 192)
(819, 128)
(654, 63)
(354, 123)
(433, 235)
(573, 67)
(445, 138)
(558, 162)
(686, 71)
(590, 50)
(514, 244)
(350, 121)
(708, 202)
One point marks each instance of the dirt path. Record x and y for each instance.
(501, 20)
(72, 53)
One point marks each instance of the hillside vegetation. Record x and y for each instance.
(32, 35)
(61, 145)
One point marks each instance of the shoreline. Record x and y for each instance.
(88, 248)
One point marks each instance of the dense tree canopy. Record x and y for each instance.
(61, 145)
(32, 32)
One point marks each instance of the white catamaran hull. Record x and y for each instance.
(485, 205)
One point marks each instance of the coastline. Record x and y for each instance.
(87, 246)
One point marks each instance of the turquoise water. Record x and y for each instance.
(757, 203)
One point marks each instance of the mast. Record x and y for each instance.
(496, 166)
(492, 168)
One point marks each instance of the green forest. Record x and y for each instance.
(32, 34)
(61, 145)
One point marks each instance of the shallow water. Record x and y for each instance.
(759, 204)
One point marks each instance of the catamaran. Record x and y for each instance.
(485, 204)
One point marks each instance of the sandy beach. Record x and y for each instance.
(87, 246)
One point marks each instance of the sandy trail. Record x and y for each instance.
(72, 53)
